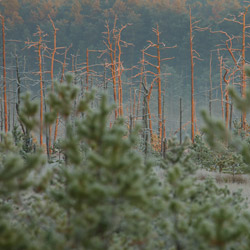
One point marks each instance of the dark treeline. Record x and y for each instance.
(82, 23)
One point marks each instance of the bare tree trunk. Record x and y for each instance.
(163, 136)
(41, 87)
(4, 80)
(211, 86)
(134, 106)
(119, 70)
(2, 117)
(87, 69)
(145, 117)
(227, 99)
(159, 83)
(52, 82)
(192, 77)
(231, 116)
(61, 80)
(104, 77)
(180, 120)
(221, 89)
(139, 95)
(243, 65)
(18, 94)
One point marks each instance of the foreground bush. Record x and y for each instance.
(105, 196)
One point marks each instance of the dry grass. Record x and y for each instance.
(221, 178)
(234, 183)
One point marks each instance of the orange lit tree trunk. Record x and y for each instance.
(112, 55)
(226, 99)
(119, 72)
(243, 65)
(52, 79)
(193, 55)
(159, 82)
(87, 69)
(53, 54)
(192, 77)
(231, 50)
(157, 76)
(4, 80)
(210, 83)
(149, 113)
(113, 44)
(243, 55)
(39, 45)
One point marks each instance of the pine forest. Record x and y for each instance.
(124, 124)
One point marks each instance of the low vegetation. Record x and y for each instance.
(103, 193)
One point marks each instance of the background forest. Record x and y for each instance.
(81, 25)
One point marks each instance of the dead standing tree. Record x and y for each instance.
(227, 78)
(146, 114)
(113, 43)
(4, 78)
(52, 77)
(40, 45)
(87, 68)
(220, 58)
(61, 80)
(228, 46)
(157, 76)
(193, 55)
(53, 53)
(243, 53)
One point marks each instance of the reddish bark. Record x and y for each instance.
(159, 81)
(192, 76)
(52, 76)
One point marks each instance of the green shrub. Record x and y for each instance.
(105, 195)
